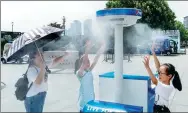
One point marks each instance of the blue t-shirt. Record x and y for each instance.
(86, 91)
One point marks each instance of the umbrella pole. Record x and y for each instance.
(47, 69)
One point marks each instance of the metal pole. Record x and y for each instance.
(63, 26)
(12, 26)
(12, 29)
(47, 69)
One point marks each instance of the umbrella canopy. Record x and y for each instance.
(27, 42)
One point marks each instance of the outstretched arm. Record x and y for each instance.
(58, 60)
(85, 56)
(157, 63)
(152, 76)
(99, 52)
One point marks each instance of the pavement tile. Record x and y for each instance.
(178, 108)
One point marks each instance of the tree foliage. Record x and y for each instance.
(183, 30)
(5, 39)
(55, 24)
(156, 13)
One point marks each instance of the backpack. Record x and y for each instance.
(22, 86)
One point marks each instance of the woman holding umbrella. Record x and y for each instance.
(37, 77)
(28, 43)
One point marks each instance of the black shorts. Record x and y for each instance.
(159, 108)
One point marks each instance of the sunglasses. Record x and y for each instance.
(158, 72)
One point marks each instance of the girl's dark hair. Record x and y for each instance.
(33, 53)
(32, 57)
(81, 60)
(78, 64)
(176, 81)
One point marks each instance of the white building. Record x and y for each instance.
(75, 28)
(88, 28)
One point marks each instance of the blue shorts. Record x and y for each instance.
(35, 103)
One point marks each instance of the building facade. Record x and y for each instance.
(75, 28)
(185, 22)
(88, 28)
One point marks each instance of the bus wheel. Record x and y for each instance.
(168, 53)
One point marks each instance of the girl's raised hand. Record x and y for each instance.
(102, 46)
(146, 61)
(153, 48)
(88, 44)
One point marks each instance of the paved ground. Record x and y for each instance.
(63, 87)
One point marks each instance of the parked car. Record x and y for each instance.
(5, 54)
(23, 59)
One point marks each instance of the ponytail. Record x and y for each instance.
(176, 81)
(175, 75)
(31, 58)
(31, 62)
(81, 61)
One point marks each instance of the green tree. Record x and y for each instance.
(5, 39)
(156, 13)
(183, 31)
(55, 25)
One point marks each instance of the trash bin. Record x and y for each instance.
(102, 106)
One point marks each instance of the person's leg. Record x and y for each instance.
(43, 97)
(28, 104)
(81, 110)
(39, 100)
(129, 57)
(36, 103)
(113, 58)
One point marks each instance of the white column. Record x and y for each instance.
(118, 62)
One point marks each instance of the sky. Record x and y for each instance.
(31, 14)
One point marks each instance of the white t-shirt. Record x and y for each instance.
(32, 74)
(163, 93)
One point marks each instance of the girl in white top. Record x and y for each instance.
(85, 76)
(37, 76)
(168, 80)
